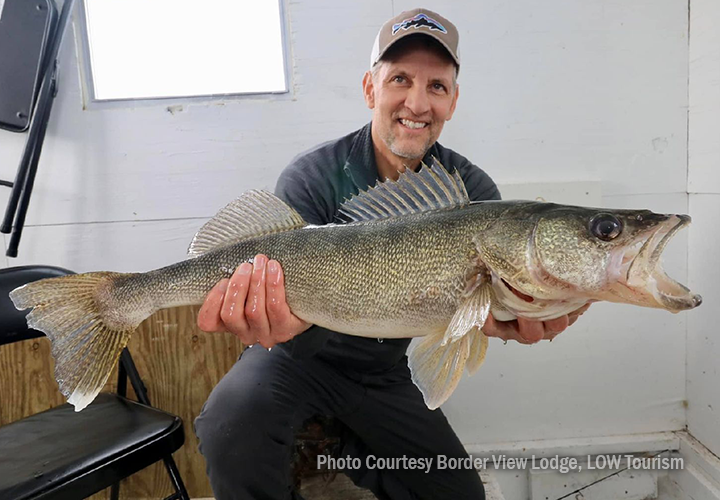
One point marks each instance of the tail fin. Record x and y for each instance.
(69, 310)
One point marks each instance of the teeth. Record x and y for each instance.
(411, 124)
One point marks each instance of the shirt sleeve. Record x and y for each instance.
(479, 185)
(293, 187)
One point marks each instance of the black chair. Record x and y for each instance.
(61, 454)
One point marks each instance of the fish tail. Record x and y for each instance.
(87, 325)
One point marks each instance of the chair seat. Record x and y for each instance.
(61, 453)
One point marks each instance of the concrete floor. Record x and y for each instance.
(316, 488)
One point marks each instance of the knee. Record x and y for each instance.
(233, 424)
(236, 435)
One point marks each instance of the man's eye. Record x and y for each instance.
(439, 87)
(398, 79)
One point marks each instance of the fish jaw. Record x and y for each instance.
(638, 276)
(514, 304)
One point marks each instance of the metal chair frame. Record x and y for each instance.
(128, 370)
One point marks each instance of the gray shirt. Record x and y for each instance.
(316, 183)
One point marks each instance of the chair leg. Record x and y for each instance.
(115, 491)
(175, 477)
(129, 370)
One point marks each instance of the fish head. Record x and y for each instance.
(564, 253)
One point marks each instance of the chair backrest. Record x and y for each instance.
(25, 36)
(13, 326)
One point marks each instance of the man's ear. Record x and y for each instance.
(454, 103)
(369, 90)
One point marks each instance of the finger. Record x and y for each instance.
(233, 313)
(279, 314)
(255, 312)
(504, 330)
(555, 326)
(208, 319)
(531, 331)
(513, 332)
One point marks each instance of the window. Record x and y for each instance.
(140, 49)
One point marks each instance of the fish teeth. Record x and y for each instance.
(412, 124)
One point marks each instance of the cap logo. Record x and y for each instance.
(419, 21)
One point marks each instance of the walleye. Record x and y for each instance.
(416, 259)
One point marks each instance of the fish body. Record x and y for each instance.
(391, 278)
(416, 259)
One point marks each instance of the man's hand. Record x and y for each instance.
(529, 332)
(251, 304)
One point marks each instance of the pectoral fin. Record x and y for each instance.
(473, 313)
(437, 361)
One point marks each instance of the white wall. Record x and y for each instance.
(703, 377)
(561, 91)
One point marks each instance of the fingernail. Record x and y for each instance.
(223, 286)
(273, 266)
(245, 268)
(260, 262)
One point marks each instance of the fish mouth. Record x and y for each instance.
(643, 281)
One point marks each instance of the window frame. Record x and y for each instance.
(87, 86)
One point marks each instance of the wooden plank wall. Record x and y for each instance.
(179, 365)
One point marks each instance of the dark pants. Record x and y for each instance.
(246, 428)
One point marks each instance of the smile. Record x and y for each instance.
(411, 124)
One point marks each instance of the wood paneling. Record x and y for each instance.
(27, 384)
(179, 365)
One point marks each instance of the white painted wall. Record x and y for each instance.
(592, 91)
(703, 374)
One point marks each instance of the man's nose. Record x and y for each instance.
(417, 100)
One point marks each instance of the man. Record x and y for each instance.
(247, 425)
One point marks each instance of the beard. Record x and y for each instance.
(412, 151)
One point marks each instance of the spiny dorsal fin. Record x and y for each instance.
(254, 213)
(431, 188)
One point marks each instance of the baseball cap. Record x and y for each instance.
(414, 22)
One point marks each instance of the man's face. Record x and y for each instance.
(411, 97)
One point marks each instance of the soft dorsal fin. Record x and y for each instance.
(431, 188)
(254, 213)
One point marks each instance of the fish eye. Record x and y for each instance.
(605, 227)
